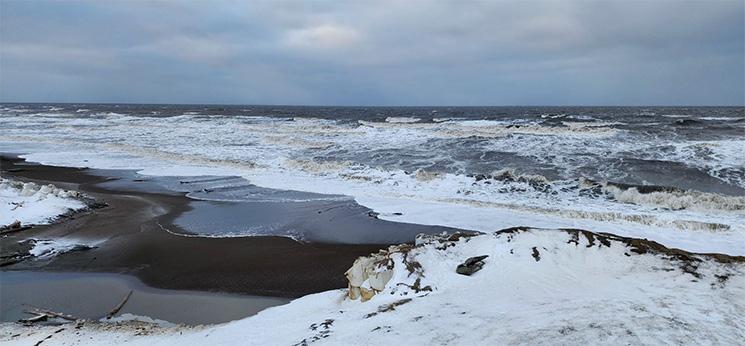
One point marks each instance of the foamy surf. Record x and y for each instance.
(677, 200)
(401, 120)
(524, 168)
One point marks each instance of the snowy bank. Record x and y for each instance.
(537, 286)
(27, 204)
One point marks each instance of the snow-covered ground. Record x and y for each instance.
(538, 286)
(48, 248)
(34, 204)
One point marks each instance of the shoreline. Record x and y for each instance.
(131, 241)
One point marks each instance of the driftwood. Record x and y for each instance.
(50, 313)
(119, 306)
(37, 318)
(45, 314)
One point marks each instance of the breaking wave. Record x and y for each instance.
(495, 129)
(319, 167)
(674, 199)
(602, 216)
(525, 159)
(402, 120)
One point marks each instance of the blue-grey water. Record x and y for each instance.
(677, 167)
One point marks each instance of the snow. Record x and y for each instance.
(538, 286)
(126, 317)
(484, 216)
(34, 204)
(48, 248)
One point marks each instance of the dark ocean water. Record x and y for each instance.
(664, 163)
(651, 145)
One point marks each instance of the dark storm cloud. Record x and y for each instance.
(390, 52)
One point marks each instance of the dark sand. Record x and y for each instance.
(134, 243)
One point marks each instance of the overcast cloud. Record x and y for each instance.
(374, 52)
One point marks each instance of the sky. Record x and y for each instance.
(654, 52)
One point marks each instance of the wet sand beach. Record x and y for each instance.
(130, 239)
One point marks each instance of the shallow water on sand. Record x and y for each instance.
(230, 206)
(93, 295)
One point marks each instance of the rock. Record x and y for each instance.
(471, 265)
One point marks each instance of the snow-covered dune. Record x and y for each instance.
(33, 204)
(538, 286)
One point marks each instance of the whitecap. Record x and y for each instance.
(401, 120)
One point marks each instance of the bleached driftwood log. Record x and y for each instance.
(50, 313)
(119, 306)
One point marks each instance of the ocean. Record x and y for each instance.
(673, 174)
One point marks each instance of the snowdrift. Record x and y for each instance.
(26, 204)
(538, 286)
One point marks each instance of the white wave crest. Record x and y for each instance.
(509, 174)
(722, 118)
(401, 120)
(425, 176)
(492, 129)
(312, 166)
(678, 200)
(602, 216)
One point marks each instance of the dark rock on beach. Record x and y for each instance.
(471, 265)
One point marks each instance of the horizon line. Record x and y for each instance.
(361, 105)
